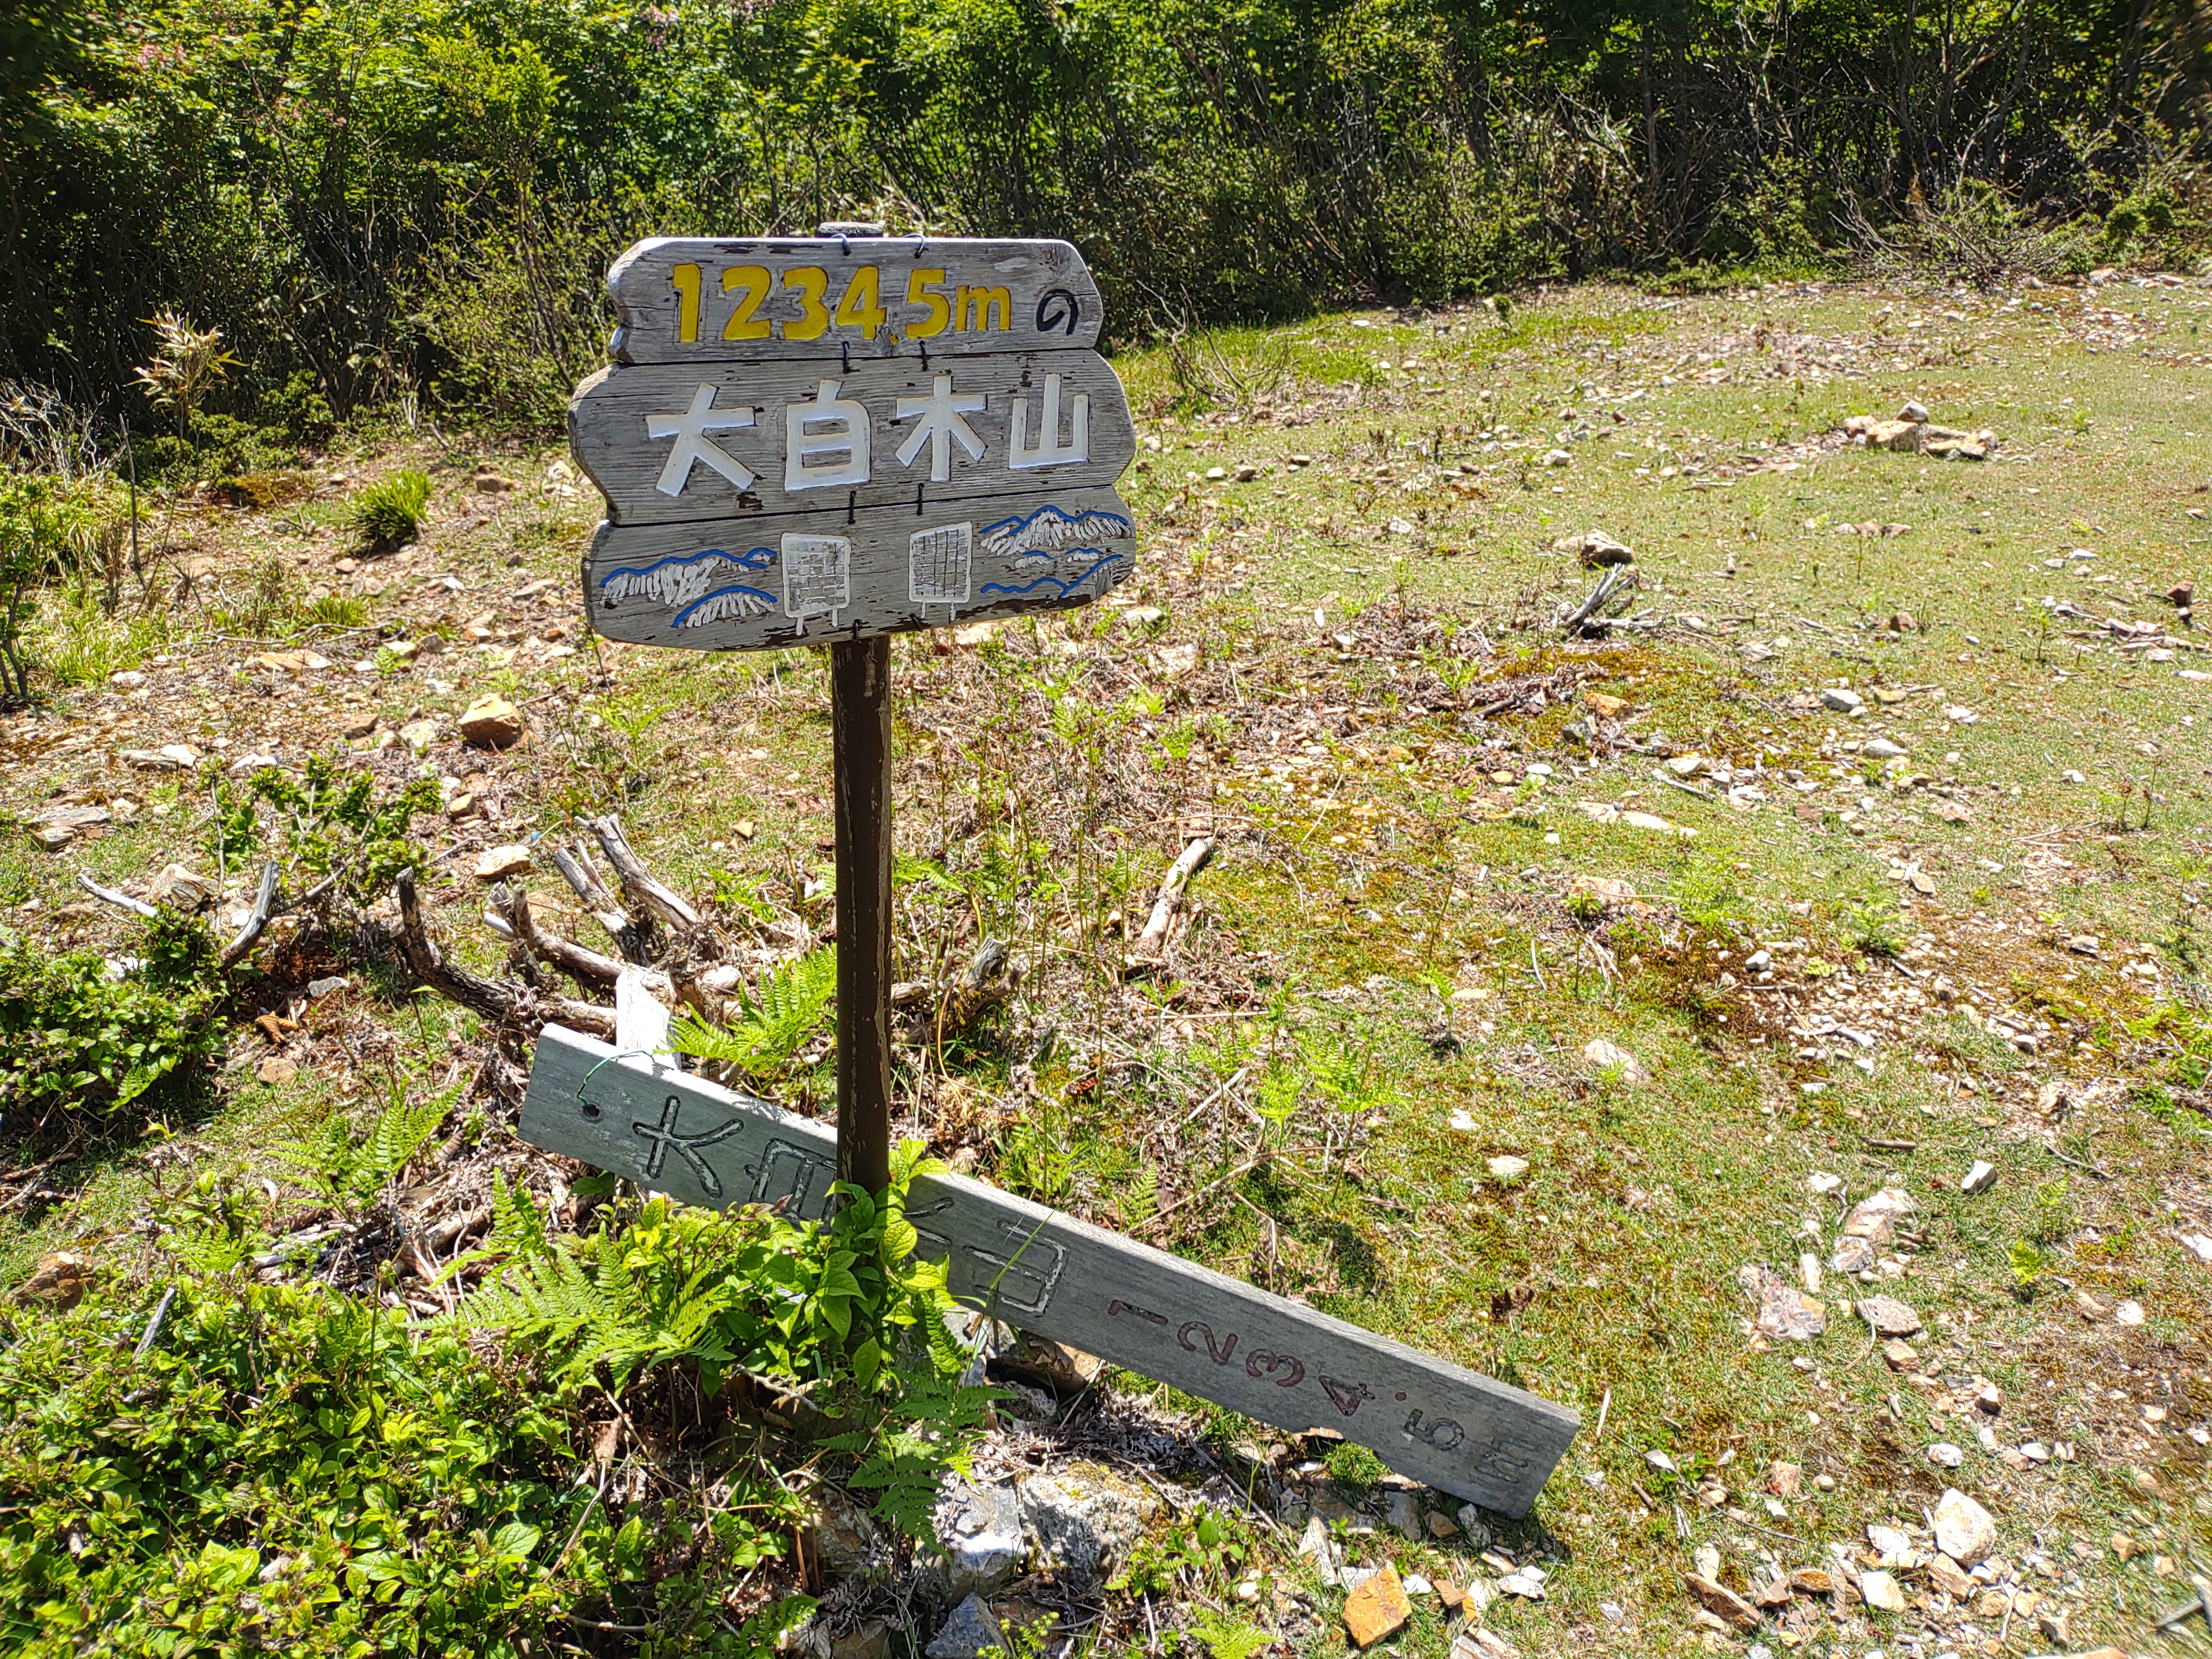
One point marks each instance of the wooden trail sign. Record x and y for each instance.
(1048, 1273)
(830, 439)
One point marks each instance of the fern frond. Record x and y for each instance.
(793, 1001)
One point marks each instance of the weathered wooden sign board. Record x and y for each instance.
(815, 439)
(1046, 1272)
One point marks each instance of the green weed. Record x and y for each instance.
(389, 513)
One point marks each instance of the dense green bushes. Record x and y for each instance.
(249, 1467)
(413, 199)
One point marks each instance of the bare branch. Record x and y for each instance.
(264, 906)
(587, 968)
(1177, 878)
(637, 881)
(629, 937)
(136, 906)
(508, 1003)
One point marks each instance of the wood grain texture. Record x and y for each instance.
(1050, 300)
(1143, 1308)
(636, 431)
(807, 579)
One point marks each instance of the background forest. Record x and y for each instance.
(394, 200)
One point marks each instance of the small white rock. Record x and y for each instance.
(1822, 1183)
(2128, 1313)
(1983, 1176)
(1508, 1168)
(1944, 1453)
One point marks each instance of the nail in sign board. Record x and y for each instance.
(809, 438)
(1152, 1313)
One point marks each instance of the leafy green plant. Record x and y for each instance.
(1348, 1073)
(1875, 930)
(1035, 1162)
(793, 1004)
(277, 1468)
(76, 1042)
(825, 1307)
(349, 1171)
(328, 822)
(389, 511)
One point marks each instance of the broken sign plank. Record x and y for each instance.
(728, 585)
(1143, 1308)
(698, 299)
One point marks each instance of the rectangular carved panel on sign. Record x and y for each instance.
(1140, 1308)
(667, 443)
(753, 585)
(704, 299)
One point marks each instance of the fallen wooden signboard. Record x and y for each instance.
(1039, 1271)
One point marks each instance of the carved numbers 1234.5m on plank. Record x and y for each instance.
(706, 300)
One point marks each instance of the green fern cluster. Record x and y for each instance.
(840, 1310)
(349, 1173)
(770, 1028)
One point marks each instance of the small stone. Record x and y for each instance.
(2051, 1623)
(872, 1640)
(1950, 1578)
(1417, 1585)
(1404, 1514)
(1528, 1583)
(2035, 1451)
(1990, 1399)
(54, 836)
(1773, 1591)
(1900, 1356)
(357, 726)
(1808, 1271)
(1081, 1520)
(1893, 1546)
(1608, 1056)
(60, 1281)
(319, 988)
(276, 1069)
(2128, 1313)
(1784, 1309)
(2198, 1245)
(2083, 945)
(492, 722)
(971, 1628)
(1723, 1602)
(1785, 1479)
(1965, 1531)
(1821, 1183)
(1812, 1581)
(180, 889)
(419, 735)
(1887, 1316)
(1508, 1168)
(1852, 1256)
(1841, 700)
(1882, 1592)
(1471, 1523)
(499, 862)
(1475, 1642)
(1882, 749)
(1875, 1217)
(1659, 1461)
(979, 1529)
(1377, 1609)
(1707, 1559)
(1981, 1178)
(1946, 1454)
(1441, 1525)
(1557, 458)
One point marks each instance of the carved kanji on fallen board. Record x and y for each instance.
(1150, 1312)
(831, 438)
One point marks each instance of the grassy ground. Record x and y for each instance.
(1420, 914)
